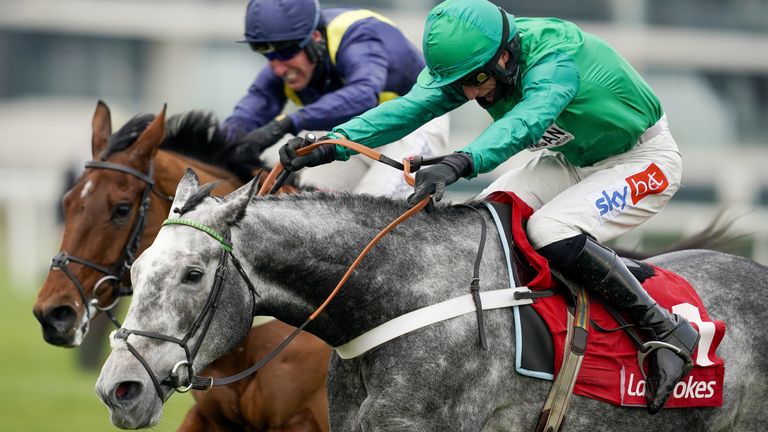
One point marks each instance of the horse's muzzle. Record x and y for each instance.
(58, 324)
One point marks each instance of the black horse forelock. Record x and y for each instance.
(197, 197)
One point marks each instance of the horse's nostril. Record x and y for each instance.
(62, 315)
(127, 390)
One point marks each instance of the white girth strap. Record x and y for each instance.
(423, 317)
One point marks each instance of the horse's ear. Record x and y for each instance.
(233, 208)
(187, 186)
(149, 141)
(102, 129)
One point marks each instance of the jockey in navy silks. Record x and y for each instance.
(333, 64)
(605, 160)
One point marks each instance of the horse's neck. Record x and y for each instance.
(169, 168)
(302, 247)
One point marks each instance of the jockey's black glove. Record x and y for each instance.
(433, 180)
(247, 149)
(321, 155)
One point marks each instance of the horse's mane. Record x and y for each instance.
(370, 203)
(127, 135)
(194, 134)
(197, 134)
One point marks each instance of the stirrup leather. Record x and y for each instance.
(651, 346)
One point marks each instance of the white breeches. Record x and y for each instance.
(604, 200)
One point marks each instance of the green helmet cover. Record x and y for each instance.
(459, 37)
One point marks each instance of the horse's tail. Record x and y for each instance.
(718, 235)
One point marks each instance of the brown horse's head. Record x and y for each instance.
(101, 215)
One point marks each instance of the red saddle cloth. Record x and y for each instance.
(609, 371)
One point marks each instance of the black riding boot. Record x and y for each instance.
(672, 338)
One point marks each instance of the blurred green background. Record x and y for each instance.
(42, 388)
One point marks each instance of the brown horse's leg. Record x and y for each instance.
(314, 416)
(194, 422)
(319, 407)
(303, 421)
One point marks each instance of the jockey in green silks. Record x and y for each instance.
(605, 160)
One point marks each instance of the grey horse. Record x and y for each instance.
(296, 248)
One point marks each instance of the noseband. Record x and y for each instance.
(113, 274)
(203, 321)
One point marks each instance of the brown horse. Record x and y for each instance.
(133, 175)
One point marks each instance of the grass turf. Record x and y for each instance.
(41, 386)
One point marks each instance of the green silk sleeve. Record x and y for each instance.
(547, 88)
(397, 118)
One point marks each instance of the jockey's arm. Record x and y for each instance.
(362, 64)
(265, 100)
(547, 88)
(397, 118)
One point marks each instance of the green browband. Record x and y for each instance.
(225, 244)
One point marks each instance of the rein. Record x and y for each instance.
(277, 176)
(114, 273)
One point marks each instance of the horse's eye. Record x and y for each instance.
(121, 211)
(192, 276)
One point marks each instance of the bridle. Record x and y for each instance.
(202, 323)
(112, 274)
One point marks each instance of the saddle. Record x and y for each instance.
(609, 370)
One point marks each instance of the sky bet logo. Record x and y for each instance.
(614, 199)
(649, 182)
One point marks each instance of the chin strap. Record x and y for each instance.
(511, 72)
(315, 50)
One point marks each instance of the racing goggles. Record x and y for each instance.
(475, 78)
(281, 51)
(481, 74)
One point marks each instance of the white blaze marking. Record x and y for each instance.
(86, 189)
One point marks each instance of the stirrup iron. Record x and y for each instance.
(651, 346)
